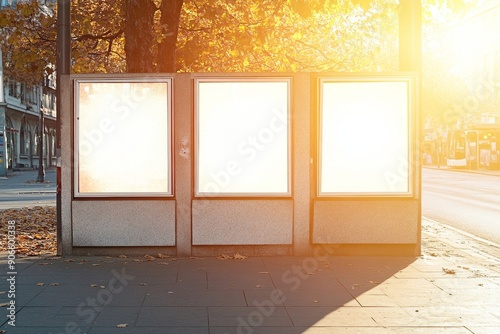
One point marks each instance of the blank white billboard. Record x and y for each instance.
(364, 138)
(242, 137)
(123, 137)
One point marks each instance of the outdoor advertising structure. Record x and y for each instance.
(197, 164)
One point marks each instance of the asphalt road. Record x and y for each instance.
(467, 201)
(20, 189)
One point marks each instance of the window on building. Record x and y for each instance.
(7, 3)
(25, 139)
(12, 88)
(35, 141)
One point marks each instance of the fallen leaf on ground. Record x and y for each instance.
(163, 256)
(449, 271)
(238, 256)
(35, 229)
(149, 257)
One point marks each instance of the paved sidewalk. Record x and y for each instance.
(454, 287)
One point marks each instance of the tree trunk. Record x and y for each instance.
(170, 15)
(139, 35)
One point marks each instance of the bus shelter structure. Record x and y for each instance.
(203, 164)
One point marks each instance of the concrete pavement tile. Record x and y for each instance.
(73, 295)
(131, 295)
(173, 317)
(416, 317)
(413, 292)
(257, 330)
(362, 285)
(302, 330)
(99, 279)
(199, 297)
(164, 272)
(147, 330)
(193, 283)
(44, 330)
(158, 279)
(484, 329)
(476, 283)
(192, 275)
(54, 298)
(264, 315)
(242, 280)
(54, 317)
(292, 283)
(331, 316)
(318, 297)
(281, 263)
(341, 330)
(434, 316)
(214, 265)
(460, 316)
(260, 295)
(24, 293)
(480, 315)
(375, 300)
(430, 264)
(111, 316)
(21, 264)
(469, 291)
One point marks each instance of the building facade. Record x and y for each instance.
(22, 109)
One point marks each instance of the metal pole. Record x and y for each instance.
(410, 59)
(41, 125)
(63, 67)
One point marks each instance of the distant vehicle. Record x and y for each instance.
(455, 156)
(475, 148)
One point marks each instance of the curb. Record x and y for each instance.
(481, 172)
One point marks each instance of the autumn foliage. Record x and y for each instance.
(116, 36)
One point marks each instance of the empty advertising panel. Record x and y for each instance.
(242, 137)
(123, 136)
(364, 136)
